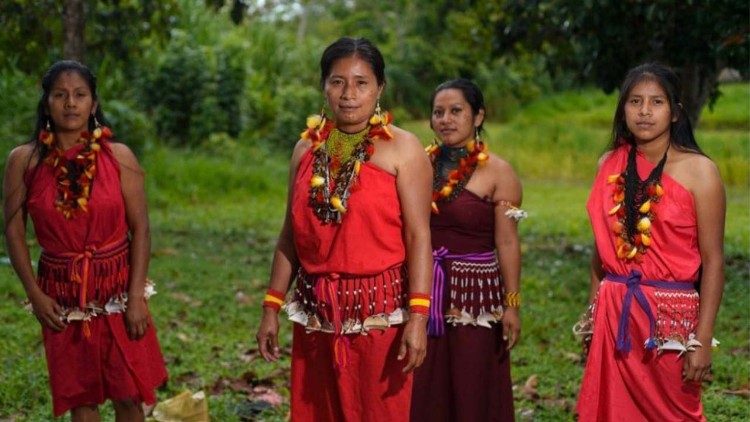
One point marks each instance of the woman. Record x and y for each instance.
(358, 209)
(86, 199)
(657, 210)
(474, 320)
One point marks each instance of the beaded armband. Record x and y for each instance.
(273, 299)
(419, 303)
(512, 299)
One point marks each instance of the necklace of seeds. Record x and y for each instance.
(448, 159)
(340, 146)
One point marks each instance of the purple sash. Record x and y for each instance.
(633, 282)
(435, 325)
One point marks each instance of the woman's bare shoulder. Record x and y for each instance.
(21, 157)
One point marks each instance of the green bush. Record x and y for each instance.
(230, 81)
(510, 83)
(175, 91)
(130, 125)
(18, 110)
(294, 104)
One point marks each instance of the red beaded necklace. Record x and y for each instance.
(447, 189)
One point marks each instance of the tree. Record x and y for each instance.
(602, 39)
(37, 32)
(74, 23)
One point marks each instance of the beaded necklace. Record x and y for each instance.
(74, 176)
(634, 201)
(331, 182)
(452, 168)
(341, 145)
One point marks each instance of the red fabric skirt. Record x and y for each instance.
(86, 371)
(638, 385)
(370, 387)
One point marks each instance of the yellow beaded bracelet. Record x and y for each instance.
(513, 299)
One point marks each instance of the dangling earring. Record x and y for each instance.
(476, 134)
(96, 122)
(377, 118)
(45, 135)
(323, 109)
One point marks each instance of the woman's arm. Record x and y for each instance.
(507, 191)
(284, 266)
(132, 178)
(596, 273)
(46, 310)
(710, 208)
(414, 185)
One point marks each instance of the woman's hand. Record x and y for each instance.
(47, 311)
(268, 335)
(698, 363)
(414, 341)
(136, 318)
(511, 326)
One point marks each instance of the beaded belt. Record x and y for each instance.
(633, 281)
(435, 326)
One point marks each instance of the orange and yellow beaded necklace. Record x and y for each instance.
(335, 169)
(74, 176)
(446, 188)
(634, 201)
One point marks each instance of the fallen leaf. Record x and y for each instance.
(744, 393)
(527, 414)
(189, 378)
(242, 298)
(529, 388)
(182, 297)
(249, 355)
(573, 357)
(267, 395)
(164, 252)
(565, 404)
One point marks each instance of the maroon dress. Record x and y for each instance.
(466, 373)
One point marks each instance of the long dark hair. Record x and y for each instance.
(680, 130)
(347, 47)
(40, 150)
(48, 80)
(471, 92)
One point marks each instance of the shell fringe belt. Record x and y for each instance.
(67, 277)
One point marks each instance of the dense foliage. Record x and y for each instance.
(185, 70)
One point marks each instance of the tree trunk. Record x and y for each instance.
(74, 23)
(698, 82)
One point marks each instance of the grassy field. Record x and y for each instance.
(216, 212)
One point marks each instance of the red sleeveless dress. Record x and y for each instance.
(352, 274)
(466, 373)
(643, 384)
(86, 259)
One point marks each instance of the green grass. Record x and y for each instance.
(216, 212)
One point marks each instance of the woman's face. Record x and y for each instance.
(352, 91)
(647, 112)
(70, 103)
(452, 118)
